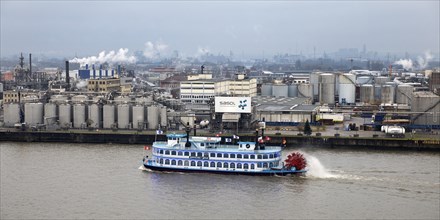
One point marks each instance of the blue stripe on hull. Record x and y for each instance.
(259, 173)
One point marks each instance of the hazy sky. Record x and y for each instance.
(66, 28)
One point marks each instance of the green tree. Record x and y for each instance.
(307, 128)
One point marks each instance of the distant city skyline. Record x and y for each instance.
(193, 28)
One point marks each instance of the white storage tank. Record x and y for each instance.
(327, 88)
(305, 90)
(280, 90)
(347, 88)
(266, 89)
(11, 114)
(153, 117)
(79, 116)
(293, 90)
(361, 80)
(33, 113)
(377, 94)
(387, 94)
(50, 114)
(108, 116)
(404, 94)
(314, 80)
(163, 117)
(95, 116)
(380, 80)
(138, 118)
(367, 93)
(124, 116)
(65, 115)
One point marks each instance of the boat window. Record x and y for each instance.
(259, 165)
(271, 156)
(252, 156)
(173, 152)
(212, 154)
(167, 152)
(270, 164)
(206, 154)
(193, 154)
(206, 164)
(252, 166)
(232, 155)
(246, 156)
(239, 166)
(219, 155)
(180, 153)
(259, 156)
(202, 144)
(160, 151)
(186, 163)
(212, 164)
(239, 156)
(199, 163)
(186, 153)
(167, 162)
(225, 165)
(245, 166)
(219, 164)
(179, 163)
(161, 161)
(225, 155)
(265, 165)
(232, 165)
(199, 154)
(265, 156)
(173, 162)
(193, 163)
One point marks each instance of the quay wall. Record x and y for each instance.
(291, 141)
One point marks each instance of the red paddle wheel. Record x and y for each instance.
(296, 160)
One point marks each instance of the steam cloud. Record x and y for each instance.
(121, 56)
(406, 63)
(421, 61)
(153, 51)
(202, 51)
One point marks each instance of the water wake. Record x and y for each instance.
(316, 169)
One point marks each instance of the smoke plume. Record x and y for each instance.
(202, 51)
(121, 56)
(423, 61)
(153, 51)
(406, 63)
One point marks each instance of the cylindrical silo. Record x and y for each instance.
(138, 117)
(266, 89)
(293, 90)
(95, 116)
(387, 94)
(367, 93)
(11, 114)
(163, 117)
(124, 116)
(361, 80)
(65, 115)
(153, 117)
(404, 94)
(347, 88)
(33, 113)
(377, 94)
(305, 90)
(327, 88)
(50, 114)
(314, 80)
(108, 120)
(380, 80)
(79, 116)
(280, 90)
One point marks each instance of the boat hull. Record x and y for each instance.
(280, 172)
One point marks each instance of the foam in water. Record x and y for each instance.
(316, 169)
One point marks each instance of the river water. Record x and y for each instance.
(104, 181)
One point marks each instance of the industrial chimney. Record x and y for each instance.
(67, 75)
(30, 66)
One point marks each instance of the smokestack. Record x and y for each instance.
(30, 65)
(67, 75)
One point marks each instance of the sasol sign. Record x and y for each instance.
(233, 104)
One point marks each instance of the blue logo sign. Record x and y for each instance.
(242, 104)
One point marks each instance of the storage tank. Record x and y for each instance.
(33, 113)
(377, 94)
(293, 90)
(95, 116)
(50, 114)
(79, 99)
(122, 100)
(65, 115)
(387, 94)
(138, 118)
(11, 114)
(266, 89)
(163, 117)
(79, 116)
(124, 116)
(305, 90)
(367, 93)
(280, 90)
(404, 94)
(347, 88)
(380, 80)
(314, 80)
(153, 117)
(327, 88)
(60, 99)
(361, 80)
(108, 120)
